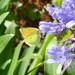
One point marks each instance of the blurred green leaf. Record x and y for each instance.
(50, 69)
(4, 3)
(24, 64)
(68, 35)
(58, 2)
(10, 27)
(31, 56)
(2, 29)
(3, 16)
(15, 59)
(31, 14)
(12, 16)
(4, 40)
(5, 64)
(71, 69)
(38, 65)
(6, 55)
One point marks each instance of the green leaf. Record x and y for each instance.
(2, 29)
(5, 56)
(68, 35)
(31, 56)
(50, 69)
(3, 16)
(42, 53)
(5, 64)
(10, 27)
(4, 40)
(31, 14)
(24, 64)
(38, 65)
(71, 70)
(15, 59)
(58, 2)
(4, 3)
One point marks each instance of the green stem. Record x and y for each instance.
(24, 64)
(42, 63)
(42, 53)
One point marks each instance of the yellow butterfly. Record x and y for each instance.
(31, 35)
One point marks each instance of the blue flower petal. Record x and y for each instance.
(49, 61)
(67, 64)
(70, 24)
(59, 68)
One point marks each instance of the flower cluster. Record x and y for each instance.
(49, 27)
(66, 19)
(62, 55)
(65, 15)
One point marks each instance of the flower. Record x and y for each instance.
(70, 24)
(69, 5)
(59, 13)
(51, 28)
(65, 15)
(72, 48)
(60, 55)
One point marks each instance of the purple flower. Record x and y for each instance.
(70, 24)
(51, 28)
(68, 41)
(60, 55)
(69, 5)
(65, 13)
(72, 48)
(59, 13)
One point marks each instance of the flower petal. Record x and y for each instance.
(70, 24)
(49, 61)
(59, 68)
(67, 63)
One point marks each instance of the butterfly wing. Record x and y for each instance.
(31, 35)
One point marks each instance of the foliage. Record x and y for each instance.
(17, 57)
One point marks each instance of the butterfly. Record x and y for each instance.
(31, 35)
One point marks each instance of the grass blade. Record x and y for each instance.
(15, 59)
(24, 64)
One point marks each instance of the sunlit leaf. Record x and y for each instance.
(31, 56)
(4, 40)
(5, 64)
(24, 64)
(58, 2)
(3, 3)
(50, 69)
(15, 59)
(3, 16)
(10, 27)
